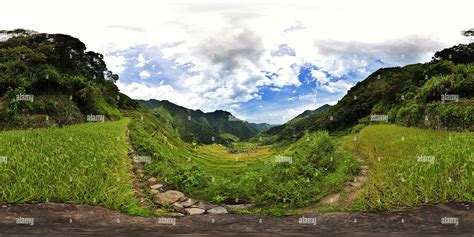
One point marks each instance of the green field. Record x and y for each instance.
(88, 164)
(253, 174)
(412, 166)
(85, 164)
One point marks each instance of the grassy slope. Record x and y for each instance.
(85, 164)
(400, 179)
(212, 173)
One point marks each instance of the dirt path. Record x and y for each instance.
(345, 197)
(72, 220)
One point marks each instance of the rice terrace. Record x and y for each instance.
(239, 128)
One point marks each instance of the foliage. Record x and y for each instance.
(53, 66)
(85, 164)
(411, 166)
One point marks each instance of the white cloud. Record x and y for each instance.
(141, 61)
(224, 49)
(115, 63)
(144, 75)
(336, 87)
(320, 76)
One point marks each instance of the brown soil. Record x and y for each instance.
(71, 220)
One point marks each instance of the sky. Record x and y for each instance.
(263, 61)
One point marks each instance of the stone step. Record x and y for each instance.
(334, 198)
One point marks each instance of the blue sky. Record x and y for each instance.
(262, 60)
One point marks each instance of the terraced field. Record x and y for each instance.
(85, 164)
(217, 158)
(412, 166)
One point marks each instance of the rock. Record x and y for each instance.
(176, 214)
(204, 205)
(331, 199)
(240, 207)
(159, 210)
(153, 191)
(4, 206)
(168, 197)
(152, 181)
(194, 211)
(182, 199)
(178, 207)
(217, 210)
(138, 185)
(147, 203)
(188, 203)
(156, 186)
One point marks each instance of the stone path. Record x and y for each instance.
(454, 219)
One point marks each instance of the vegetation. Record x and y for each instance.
(412, 166)
(66, 82)
(211, 157)
(436, 95)
(197, 126)
(272, 176)
(84, 164)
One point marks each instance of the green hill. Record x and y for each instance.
(436, 95)
(50, 79)
(197, 126)
(295, 120)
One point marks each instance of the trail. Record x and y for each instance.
(74, 220)
(345, 197)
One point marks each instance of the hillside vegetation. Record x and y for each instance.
(200, 127)
(271, 176)
(50, 79)
(84, 164)
(412, 166)
(435, 95)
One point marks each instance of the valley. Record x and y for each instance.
(400, 140)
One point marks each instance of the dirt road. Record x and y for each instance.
(74, 220)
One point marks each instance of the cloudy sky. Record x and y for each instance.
(264, 61)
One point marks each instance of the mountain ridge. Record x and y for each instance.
(198, 126)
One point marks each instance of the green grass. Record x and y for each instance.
(85, 164)
(412, 167)
(213, 173)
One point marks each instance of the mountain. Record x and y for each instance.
(309, 112)
(276, 129)
(435, 95)
(51, 79)
(197, 126)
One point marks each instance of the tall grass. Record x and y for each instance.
(411, 166)
(212, 173)
(85, 164)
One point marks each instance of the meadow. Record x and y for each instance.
(83, 164)
(412, 166)
(278, 175)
